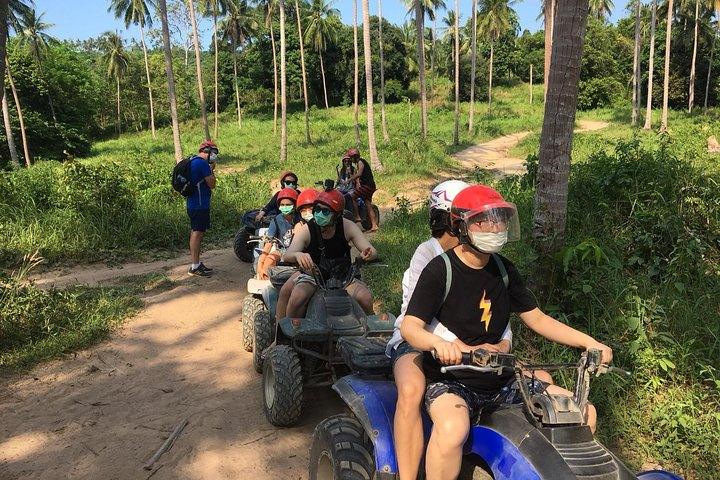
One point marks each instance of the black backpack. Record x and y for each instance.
(181, 177)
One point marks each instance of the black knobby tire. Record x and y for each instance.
(243, 249)
(250, 306)
(263, 336)
(341, 450)
(282, 386)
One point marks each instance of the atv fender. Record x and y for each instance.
(657, 475)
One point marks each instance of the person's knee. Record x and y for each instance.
(452, 431)
(544, 376)
(591, 413)
(410, 394)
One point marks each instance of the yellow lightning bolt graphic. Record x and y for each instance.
(485, 305)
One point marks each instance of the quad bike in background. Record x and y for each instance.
(242, 245)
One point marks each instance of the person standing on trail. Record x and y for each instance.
(365, 189)
(202, 176)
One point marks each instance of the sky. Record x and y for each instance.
(81, 19)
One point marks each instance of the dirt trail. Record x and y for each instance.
(100, 414)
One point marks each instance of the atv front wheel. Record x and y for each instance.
(282, 386)
(341, 450)
(263, 336)
(250, 306)
(243, 249)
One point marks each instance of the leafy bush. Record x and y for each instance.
(598, 93)
(394, 91)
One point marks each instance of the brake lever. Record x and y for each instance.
(610, 369)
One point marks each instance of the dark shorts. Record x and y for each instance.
(476, 401)
(199, 220)
(365, 192)
(403, 348)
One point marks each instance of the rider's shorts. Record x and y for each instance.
(403, 348)
(199, 220)
(305, 278)
(365, 192)
(476, 401)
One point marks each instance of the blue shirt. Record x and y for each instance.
(281, 229)
(200, 198)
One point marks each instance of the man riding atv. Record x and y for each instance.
(464, 289)
(323, 243)
(364, 186)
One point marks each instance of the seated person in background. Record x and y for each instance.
(305, 203)
(324, 242)
(287, 180)
(476, 308)
(281, 228)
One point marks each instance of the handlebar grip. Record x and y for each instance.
(467, 358)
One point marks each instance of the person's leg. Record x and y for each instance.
(195, 242)
(590, 412)
(407, 424)
(284, 296)
(361, 293)
(451, 424)
(371, 215)
(297, 303)
(356, 211)
(541, 375)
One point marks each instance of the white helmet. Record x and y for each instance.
(444, 193)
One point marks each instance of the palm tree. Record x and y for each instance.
(198, 68)
(14, 159)
(636, 68)
(494, 21)
(473, 63)
(548, 12)
(117, 63)
(648, 107)
(367, 48)
(666, 78)
(283, 90)
(419, 9)
(691, 93)
(21, 118)
(167, 49)
(215, 8)
(320, 31)
(238, 27)
(712, 50)
(601, 9)
(356, 78)
(137, 12)
(557, 131)
(432, 11)
(386, 136)
(32, 36)
(409, 39)
(304, 76)
(268, 6)
(456, 131)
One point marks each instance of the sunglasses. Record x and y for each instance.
(323, 210)
(289, 182)
(211, 150)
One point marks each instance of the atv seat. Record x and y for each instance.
(365, 355)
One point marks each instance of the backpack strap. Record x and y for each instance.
(501, 267)
(448, 274)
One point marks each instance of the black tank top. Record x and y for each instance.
(366, 178)
(328, 254)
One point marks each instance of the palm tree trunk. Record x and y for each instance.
(432, 58)
(21, 119)
(367, 48)
(420, 27)
(117, 79)
(473, 63)
(492, 55)
(14, 159)
(275, 79)
(237, 87)
(167, 48)
(386, 136)
(666, 79)
(50, 100)
(283, 90)
(147, 74)
(531, 84)
(636, 68)
(712, 53)
(356, 107)
(322, 71)
(691, 94)
(558, 122)
(549, 13)
(3, 42)
(304, 76)
(651, 63)
(456, 131)
(198, 69)
(217, 103)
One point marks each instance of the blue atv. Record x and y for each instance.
(544, 437)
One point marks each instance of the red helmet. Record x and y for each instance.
(306, 198)
(207, 144)
(480, 203)
(352, 152)
(287, 194)
(333, 199)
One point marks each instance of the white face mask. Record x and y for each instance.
(307, 215)
(212, 157)
(488, 242)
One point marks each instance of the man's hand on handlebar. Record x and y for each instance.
(607, 353)
(367, 254)
(304, 260)
(447, 353)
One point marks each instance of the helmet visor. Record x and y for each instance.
(496, 218)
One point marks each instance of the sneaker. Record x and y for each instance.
(207, 269)
(199, 271)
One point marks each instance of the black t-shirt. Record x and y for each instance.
(477, 308)
(366, 177)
